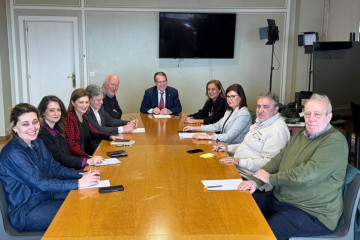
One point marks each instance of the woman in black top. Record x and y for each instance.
(52, 132)
(214, 107)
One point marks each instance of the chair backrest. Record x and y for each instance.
(7, 231)
(253, 116)
(351, 203)
(355, 108)
(347, 230)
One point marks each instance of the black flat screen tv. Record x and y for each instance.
(337, 72)
(196, 35)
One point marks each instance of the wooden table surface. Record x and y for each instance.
(163, 196)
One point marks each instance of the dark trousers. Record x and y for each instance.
(286, 220)
(39, 217)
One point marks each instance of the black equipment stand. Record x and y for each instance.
(272, 67)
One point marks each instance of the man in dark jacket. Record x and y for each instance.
(161, 99)
(111, 105)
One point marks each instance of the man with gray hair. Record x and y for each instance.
(111, 105)
(266, 137)
(307, 176)
(100, 119)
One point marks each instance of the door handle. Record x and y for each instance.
(73, 77)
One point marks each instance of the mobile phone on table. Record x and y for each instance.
(110, 189)
(195, 150)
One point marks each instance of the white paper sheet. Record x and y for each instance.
(138, 130)
(188, 134)
(162, 116)
(224, 184)
(101, 183)
(108, 161)
(119, 144)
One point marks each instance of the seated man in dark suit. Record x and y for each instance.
(111, 105)
(100, 119)
(161, 99)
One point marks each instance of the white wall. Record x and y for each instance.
(129, 48)
(5, 85)
(310, 20)
(344, 17)
(121, 37)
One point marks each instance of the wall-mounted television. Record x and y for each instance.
(337, 72)
(196, 35)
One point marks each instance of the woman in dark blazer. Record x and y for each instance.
(52, 132)
(215, 105)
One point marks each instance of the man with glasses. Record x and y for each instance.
(265, 139)
(161, 99)
(307, 176)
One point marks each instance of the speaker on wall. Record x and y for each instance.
(301, 40)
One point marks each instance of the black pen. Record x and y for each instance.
(214, 186)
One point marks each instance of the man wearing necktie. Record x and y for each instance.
(161, 99)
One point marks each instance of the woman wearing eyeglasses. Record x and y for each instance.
(215, 106)
(236, 122)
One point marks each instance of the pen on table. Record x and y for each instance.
(214, 186)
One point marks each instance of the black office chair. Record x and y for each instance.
(345, 231)
(7, 231)
(355, 108)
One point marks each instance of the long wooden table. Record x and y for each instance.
(163, 196)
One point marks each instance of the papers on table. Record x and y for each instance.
(108, 161)
(188, 134)
(162, 116)
(138, 130)
(119, 144)
(225, 184)
(101, 183)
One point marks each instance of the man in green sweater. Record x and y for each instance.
(307, 176)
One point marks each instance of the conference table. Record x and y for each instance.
(163, 195)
